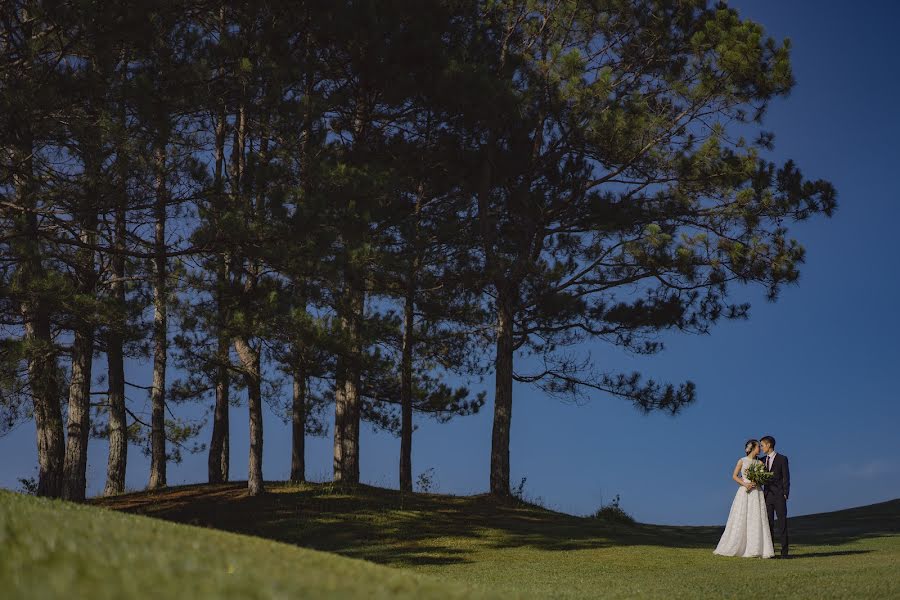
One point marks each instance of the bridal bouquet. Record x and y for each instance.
(757, 473)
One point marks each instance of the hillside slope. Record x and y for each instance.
(516, 548)
(52, 549)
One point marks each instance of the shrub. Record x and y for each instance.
(613, 512)
(520, 495)
(28, 485)
(425, 480)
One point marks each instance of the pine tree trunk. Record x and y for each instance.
(218, 447)
(118, 427)
(351, 433)
(347, 399)
(160, 338)
(351, 393)
(43, 378)
(40, 351)
(502, 400)
(255, 485)
(250, 362)
(406, 412)
(79, 411)
(43, 370)
(248, 355)
(340, 402)
(298, 431)
(79, 417)
(255, 475)
(299, 408)
(406, 383)
(117, 424)
(340, 418)
(226, 450)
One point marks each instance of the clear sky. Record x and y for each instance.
(816, 369)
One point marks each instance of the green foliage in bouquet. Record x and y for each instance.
(757, 473)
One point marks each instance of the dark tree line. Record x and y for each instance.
(356, 200)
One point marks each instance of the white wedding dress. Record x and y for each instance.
(747, 530)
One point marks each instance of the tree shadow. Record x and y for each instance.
(398, 529)
(847, 526)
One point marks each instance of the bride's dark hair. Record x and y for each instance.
(748, 447)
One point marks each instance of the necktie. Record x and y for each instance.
(768, 463)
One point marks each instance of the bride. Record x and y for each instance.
(747, 530)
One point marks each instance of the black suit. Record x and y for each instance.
(776, 493)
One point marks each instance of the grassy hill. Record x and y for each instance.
(52, 549)
(444, 545)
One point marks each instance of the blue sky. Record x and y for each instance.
(816, 369)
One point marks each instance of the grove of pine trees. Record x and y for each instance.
(369, 200)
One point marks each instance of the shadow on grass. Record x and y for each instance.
(823, 554)
(393, 528)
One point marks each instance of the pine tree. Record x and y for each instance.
(29, 99)
(117, 327)
(617, 199)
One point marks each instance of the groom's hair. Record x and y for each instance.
(769, 439)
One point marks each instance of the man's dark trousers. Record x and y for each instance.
(776, 505)
(776, 493)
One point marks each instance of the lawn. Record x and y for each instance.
(52, 549)
(441, 545)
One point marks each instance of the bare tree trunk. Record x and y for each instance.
(43, 377)
(248, 355)
(255, 474)
(160, 337)
(79, 418)
(406, 412)
(298, 423)
(251, 356)
(409, 340)
(347, 399)
(350, 311)
(502, 400)
(351, 437)
(226, 450)
(340, 418)
(40, 350)
(351, 394)
(117, 424)
(251, 365)
(118, 427)
(299, 408)
(218, 447)
(79, 412)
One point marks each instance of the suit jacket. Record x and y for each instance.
(780, 485)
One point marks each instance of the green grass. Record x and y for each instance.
(52, 549)
(444, 543)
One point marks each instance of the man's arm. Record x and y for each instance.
(786, 479)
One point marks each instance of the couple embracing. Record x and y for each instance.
(751, 521)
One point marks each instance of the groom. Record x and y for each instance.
(777, 490)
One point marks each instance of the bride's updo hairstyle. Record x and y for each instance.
(748, 447)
